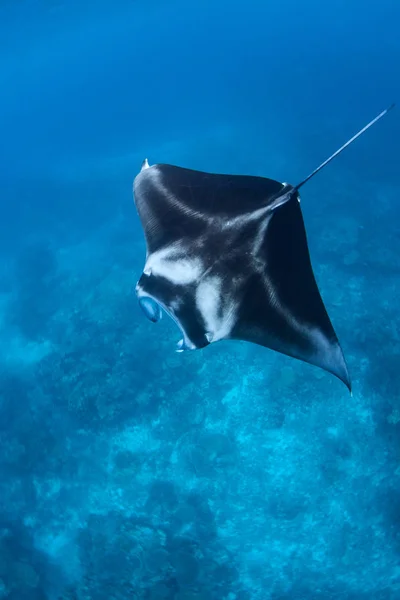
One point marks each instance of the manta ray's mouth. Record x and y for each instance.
(153, 309)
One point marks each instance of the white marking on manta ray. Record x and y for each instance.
(243, 219)
(155, 174)
(259, 239)
(176, 304)
(173, 264)
(208, 301)
(258, 214)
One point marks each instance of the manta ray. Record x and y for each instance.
(227, 259)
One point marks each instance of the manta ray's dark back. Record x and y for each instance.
(227, 258)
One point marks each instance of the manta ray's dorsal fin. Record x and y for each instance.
(350, 141)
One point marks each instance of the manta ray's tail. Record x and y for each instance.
(350, 141)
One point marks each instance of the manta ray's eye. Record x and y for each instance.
(150, 308)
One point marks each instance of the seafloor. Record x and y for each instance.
(233, 473)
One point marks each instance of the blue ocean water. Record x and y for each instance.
(128, 471)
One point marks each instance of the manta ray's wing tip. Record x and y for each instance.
(145, 165)
(340, 370)
(330, 358)
(348, 384)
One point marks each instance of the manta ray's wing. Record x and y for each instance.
(175, 203)
(281, 307)
(227, 258)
